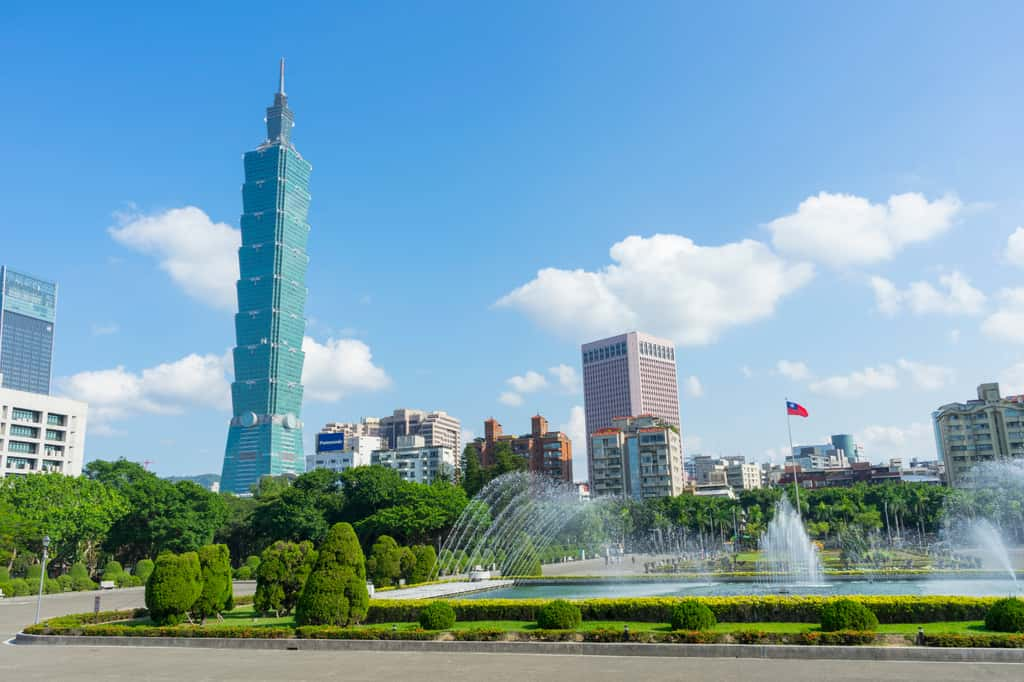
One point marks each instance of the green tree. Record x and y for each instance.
(238, 530)
(384, 566)
(215, 563)
(335, 593)
(506, 461)
(472, 472)
(174, 586)
(418, 513)
(369, 489)
(281, 575)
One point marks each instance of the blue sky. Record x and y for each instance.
(834, 187)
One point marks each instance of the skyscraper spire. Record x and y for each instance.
(280, 118)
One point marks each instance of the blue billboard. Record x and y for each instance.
(330, 442)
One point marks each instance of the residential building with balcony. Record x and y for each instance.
(987, 430)
(638, 457)
(418, 462)
(41, 433)
(546, 452)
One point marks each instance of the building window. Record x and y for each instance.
(23, 415)
(19, 446)
(24, 431)
(53, 434)
(56, 420)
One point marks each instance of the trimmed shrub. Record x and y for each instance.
(52, 586)
(243, 573)
(426, 557)
(847, 614)
(335, 593)
(144, 569)
(407, 561)
(83, 584)
(384, 566)
(281, 576)
(79, 571)
(5, 575)
(173, 587)
(19, 588)
(438, 615)
(215, 563)
(1006, 615)
(112, 570)
(33, 572)
(67, 583)
(559, 615)
(690, 614)
(252, 562)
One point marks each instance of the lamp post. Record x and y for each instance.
(42, 576)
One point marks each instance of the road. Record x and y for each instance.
(131, 664)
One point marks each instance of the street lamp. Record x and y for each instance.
(42, 576)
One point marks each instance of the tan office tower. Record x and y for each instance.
(628, 375)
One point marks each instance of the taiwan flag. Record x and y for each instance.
(795, 409)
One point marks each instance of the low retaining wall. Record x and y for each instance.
(772, 651)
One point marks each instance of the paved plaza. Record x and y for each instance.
(117, 663)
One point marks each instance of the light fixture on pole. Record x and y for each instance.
(42, 576)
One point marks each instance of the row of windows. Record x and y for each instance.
(658, 351)
(613, 351)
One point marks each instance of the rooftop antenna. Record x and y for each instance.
(280, 87)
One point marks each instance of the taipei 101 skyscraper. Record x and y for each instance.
(265, 436)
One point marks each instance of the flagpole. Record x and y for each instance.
(796, 486)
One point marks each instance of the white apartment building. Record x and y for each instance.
(628, 375)
(417, 461)
(989, 429)
(357, 451)
(743, 475)
(41, 433)
(638, 457)
(436, 428)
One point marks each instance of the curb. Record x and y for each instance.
(757, 651)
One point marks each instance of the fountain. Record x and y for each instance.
(507, 525)
(994, 555)
(788, 555)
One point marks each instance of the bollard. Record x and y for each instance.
(920, 636)
(625, 633)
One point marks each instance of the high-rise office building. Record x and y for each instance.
(265, 435)
(628, 375)
(28, 310)
(989, 429)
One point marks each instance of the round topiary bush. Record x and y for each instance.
(19, 588)
(243, 573)
(143, 569)
(79, 571)
(559, 615)
(83, 584)
(1006, 615)
(690, 614)
(438, 615)
(847, 614)
(176, 583)
(112, 570)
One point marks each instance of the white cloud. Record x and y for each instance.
(338, 367)
(1015, 248)
(793, 370)
(510, 398)
(694, 389)
(665, 284)
(881, 378)
(104, 329)
(883, 442)
(201, 256)
(168, 388)
(927, 377)
(1011, 380)
(567, 377)
(576, 429)
(1007, 323)
(527, 383)
(846, 230)
(746, 372)
(953, 296)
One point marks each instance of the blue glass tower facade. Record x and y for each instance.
(28, 310)
(265, 435)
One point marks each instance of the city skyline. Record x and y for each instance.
(842, 228)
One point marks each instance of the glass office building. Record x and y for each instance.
(28, 310)
(265, 435)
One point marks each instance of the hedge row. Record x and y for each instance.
(744, 609)
(190, 631)
(972, 640)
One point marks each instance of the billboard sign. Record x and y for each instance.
(330, 442)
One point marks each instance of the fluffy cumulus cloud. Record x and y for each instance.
(927, 377)
(567, 378)
(510, 398)
(339, 367)
(693, 387)
(793, 370)
(666, 284)
(1007, 323)
(855, 384)
(527, 383)
(199, 255)
(884, 442)
(168, 388)
(1015, 248)
(844, 230)
(953, 296)
(576, 429)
